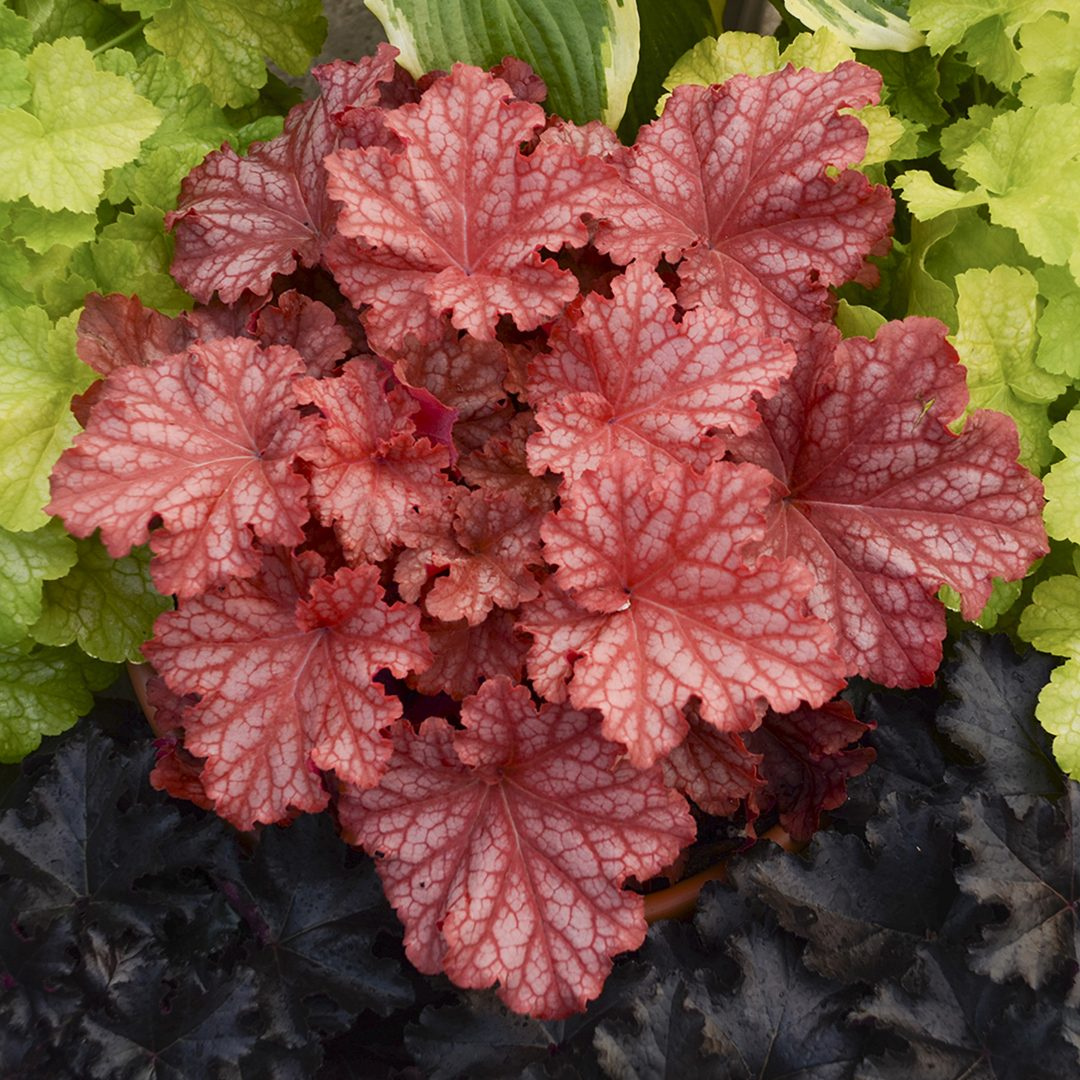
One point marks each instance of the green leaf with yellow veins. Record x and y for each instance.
(43, 691)
(27, 559)
(1059, 324)
(1058, 711)
(40, 229)
(1062, 513)
(39, 373)
(996, 310)
(106, 605)
(14, 79)
(1028, 165)
(191, 127)
(225, 44)
(984, 30)
(78, 123)
(132, 255)
(1050, 51)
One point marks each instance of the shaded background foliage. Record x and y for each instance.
(929, 931)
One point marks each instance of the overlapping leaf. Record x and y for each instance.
(205, 440)
(623, 374)
(734, 181)
(240, 220)
(284, 665)
(372, 479)
(885, 503)
(456, 220)
(662, 607)
(505, 846)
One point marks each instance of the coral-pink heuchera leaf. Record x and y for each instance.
(284, 665)
(884, 503)
(714, 768)
(503, 847)
(370, 477)
(493, 539)
(240, 220)
(622, 374)
(807, 759)
(464, 655)
(668, 609)
(733, 180)
(309, 326)
(206, 441)
(455, 222)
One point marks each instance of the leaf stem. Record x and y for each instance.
(120, 38)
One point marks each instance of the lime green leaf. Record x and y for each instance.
(43, 691)
(1003, 596)
(821, 50)
(1051, 622)
(107, 605)
(1028, 163)
(982, 29)
(1050, 52)
(1059, 712)
(132, 255)
(26, 560)
(1059, 324)
(40, 229)
(926, 198)
(192, 126)
(1062, 513)
(585, 50)
(857, 320)
(79, 122)
(716, 59)
(863, 24)
(224, 43)
(996, 340)
(14, 79)
(39, 373)
(668, 29)
(16, 33)
(958, 136)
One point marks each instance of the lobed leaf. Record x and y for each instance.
(504, 847)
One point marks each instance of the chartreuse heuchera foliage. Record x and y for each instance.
(514, 484)
(104, 107)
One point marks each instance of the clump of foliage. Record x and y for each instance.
(514, 485)
(146, 937)
(103, 110)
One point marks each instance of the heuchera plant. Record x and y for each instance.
(515, 486)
